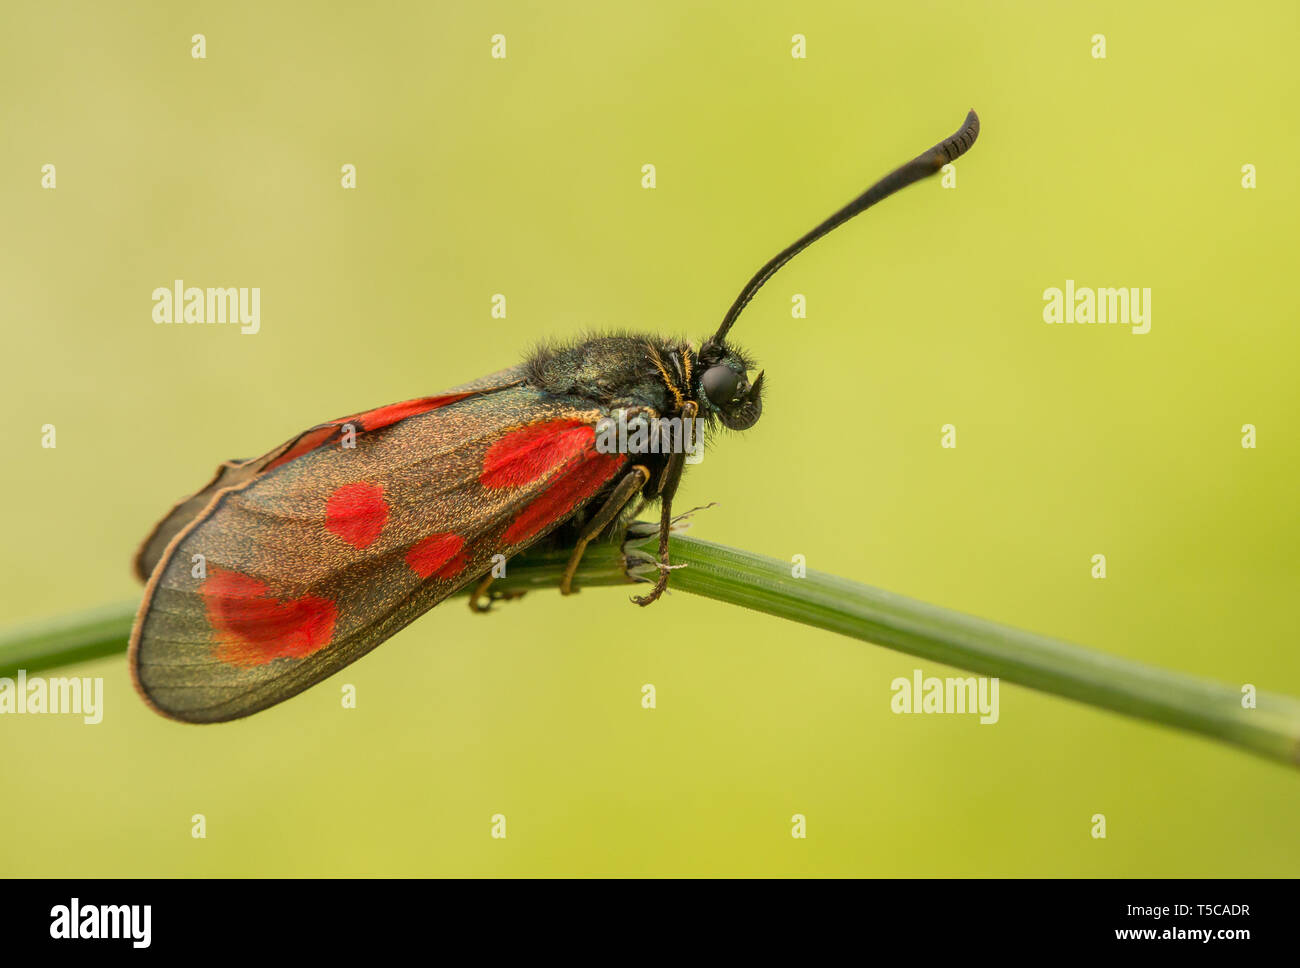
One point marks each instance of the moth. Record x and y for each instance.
(285, 568)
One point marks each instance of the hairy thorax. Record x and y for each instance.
(617, 371)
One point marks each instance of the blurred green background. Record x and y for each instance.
(523, 176)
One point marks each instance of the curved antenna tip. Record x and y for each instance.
(922, 166)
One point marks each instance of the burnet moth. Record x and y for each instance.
(289, 566)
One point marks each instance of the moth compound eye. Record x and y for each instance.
(720, 383)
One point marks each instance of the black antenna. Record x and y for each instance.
(922, 166)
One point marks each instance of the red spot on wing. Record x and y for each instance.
(438, 554)
(254, 627)
(564, 494)
(368, 420)
(357, 513)
(522, 456)
(307, 442)
(383, 416)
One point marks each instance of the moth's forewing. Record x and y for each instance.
(305, 566)
(238, 473)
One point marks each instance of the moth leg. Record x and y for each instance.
(665, 526)
(667, 488)
(480, 599)
(476, 603)
(628, 488)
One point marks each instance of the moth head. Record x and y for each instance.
(723, 388)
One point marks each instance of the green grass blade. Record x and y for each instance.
(1176, 699)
